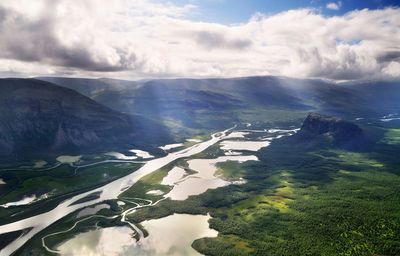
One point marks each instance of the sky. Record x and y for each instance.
(134, 39)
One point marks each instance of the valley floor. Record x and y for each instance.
(283, 199)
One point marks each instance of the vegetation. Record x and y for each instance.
(148, 183)
(300, 200)
(392, 136)
(7, 238)
(102, 219)
(61, 180)
(90, 197)
(230, 170)
(59, 183)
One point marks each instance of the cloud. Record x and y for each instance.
(389, 56)
(143, 39)
(73, 36)
(213, 39)
(334, 6)
(35, 40)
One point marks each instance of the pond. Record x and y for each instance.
(171, 235)
(204, 178)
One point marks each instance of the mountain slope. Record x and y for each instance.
(383, 95)
(91, 87)
(39, 115)
(210, 103)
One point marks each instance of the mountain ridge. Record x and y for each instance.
(39, 115)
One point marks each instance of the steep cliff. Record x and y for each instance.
(343, 134)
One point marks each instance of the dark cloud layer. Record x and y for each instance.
(389, 56)
(30, 40)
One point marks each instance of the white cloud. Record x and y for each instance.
(334, 6)
(393, 69)
(138, 39)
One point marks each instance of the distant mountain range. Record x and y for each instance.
(212, 103)
(37, 115)
(73, 113)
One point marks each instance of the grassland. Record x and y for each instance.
(392, 136)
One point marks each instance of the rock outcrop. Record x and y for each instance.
(343, 134)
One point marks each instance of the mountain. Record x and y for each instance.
(343, 134)
(383, 95)
(91, 87)
(218, 102)
(37, 115)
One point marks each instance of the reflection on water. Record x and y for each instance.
(68, 159)
(204, 179)
(39, 164)
(193, 140)
(171, 146)
(120, 156)
(109, 191)
(236, 135)
(173, 176)
(25, 200)
(172, 235)
(141, 153)
(101, 242)
(155, 192)
(244, 145)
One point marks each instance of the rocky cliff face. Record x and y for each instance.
(40, 115)
(344, 134)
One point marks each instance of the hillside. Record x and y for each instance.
(40, 115)
(91, 87)
(383, 95)
(212, 103)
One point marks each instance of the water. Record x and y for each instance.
(204, 179)
(101, 242)
(68, 159)
(193, 140)
(172, 235)
(109, 191)
(155, 192)
(171, 146)
(39, 164)
(174, 175)
(141, 153)
(244, 145)
(236, 135)
(24, 201)
(206, 169)
(120, 156)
